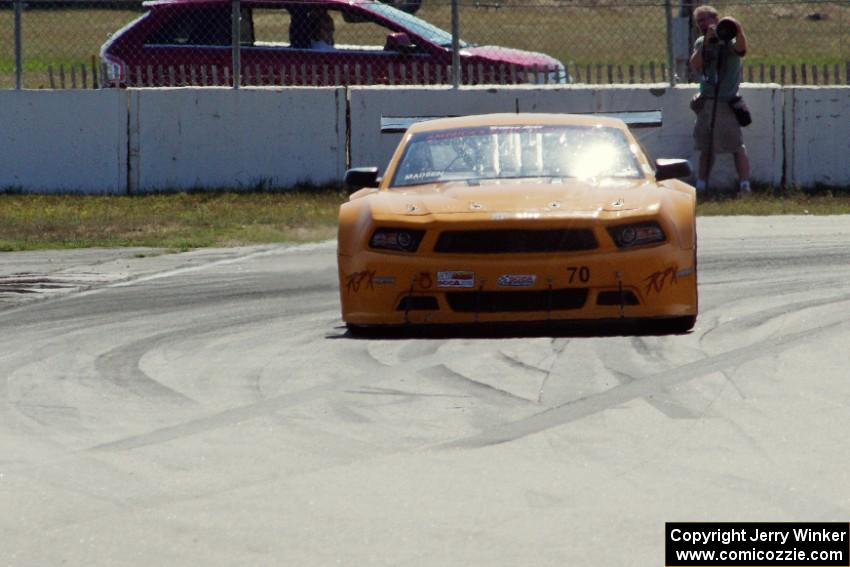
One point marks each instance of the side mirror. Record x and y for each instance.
(359, 177)
(671, 169)
(399, 41)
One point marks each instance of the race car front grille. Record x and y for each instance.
(501, 301)
(515, 241)
(418, 303)
(617, 298)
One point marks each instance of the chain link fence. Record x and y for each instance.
(97, 43)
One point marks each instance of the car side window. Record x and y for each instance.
(294, 27)
(207, 26)
(356, 32)
(273, 27)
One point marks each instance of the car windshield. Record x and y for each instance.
(416, 25)
(511, 152)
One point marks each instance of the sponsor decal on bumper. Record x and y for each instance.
(456, 279)
(516, 280)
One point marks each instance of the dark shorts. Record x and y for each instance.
(727, 132)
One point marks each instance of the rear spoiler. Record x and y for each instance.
(632, 118)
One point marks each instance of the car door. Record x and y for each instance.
(190, 44)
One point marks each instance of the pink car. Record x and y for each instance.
(188, 42)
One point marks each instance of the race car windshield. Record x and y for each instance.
(512, 152)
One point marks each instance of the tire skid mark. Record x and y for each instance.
(652, 351)
(641, 347)
(515, 363)
(666, 402)
(121, 365)
(668, 406)
(621, 376)
(18, 351)
(584, 407)
(393, 352)
(265, 407)
(38, 412)
(742, 431)
(761, 317)
(392, 392)
(274, 251)
(646, 459)
(778, 285)
(348, 415)
(228, 417)
(416, 349)
(558, 345)
(737, 388)
(279, 250)
(775, 259)
(471, 386)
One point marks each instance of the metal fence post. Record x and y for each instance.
(671, 70)
(236, 41)
(18, 47)
(455, 44)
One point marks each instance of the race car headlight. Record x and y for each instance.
(640, 234)
(400, 239)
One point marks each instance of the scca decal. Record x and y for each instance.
(458, 278)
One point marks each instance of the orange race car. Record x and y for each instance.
(519, 217)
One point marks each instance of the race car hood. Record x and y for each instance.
(581, 198)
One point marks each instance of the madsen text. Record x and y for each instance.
(727, 536)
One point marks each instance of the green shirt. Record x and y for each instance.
(730, 69)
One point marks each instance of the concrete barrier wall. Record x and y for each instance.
(53, 141)
(220, 137)
(117, 141)
(673, 139)
(818, 135)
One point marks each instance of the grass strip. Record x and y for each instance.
(769, 201)
(178, 221)
(181, 221)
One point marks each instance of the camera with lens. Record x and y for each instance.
(725, 31)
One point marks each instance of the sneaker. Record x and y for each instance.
(744, 188)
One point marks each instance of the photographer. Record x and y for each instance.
(717, 57)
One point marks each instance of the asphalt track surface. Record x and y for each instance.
(208, 408)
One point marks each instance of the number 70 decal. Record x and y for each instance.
(579, 273)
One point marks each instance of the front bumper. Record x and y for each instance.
(388, 289)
